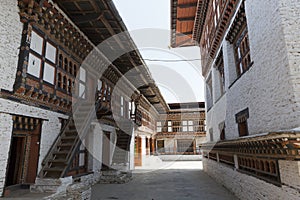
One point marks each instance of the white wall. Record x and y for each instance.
(271, 87)
(6, 126)
(247, 187)
(10, 41)
(290, 12)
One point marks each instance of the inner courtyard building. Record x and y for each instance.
(79, 106)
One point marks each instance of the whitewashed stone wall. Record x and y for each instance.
(290, 173)
(214, 117)
(290, 19)
(270, 88)
(10, 40)
(6, 126)
(247, 187)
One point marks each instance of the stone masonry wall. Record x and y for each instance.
(247, 187)
(6, 126)
(10, 40)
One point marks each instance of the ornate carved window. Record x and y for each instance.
(238, 37)
(65, 83)
(242, 52)
(170, 126)
(209, 94)
(70, 85)
(221, 74)
(65, 64)
(158, 127)
(59, 80)
(241, 119)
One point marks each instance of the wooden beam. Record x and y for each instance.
(187, 5)
(86, 18)
(186, 18)
(185, 33)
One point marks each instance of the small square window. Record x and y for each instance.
(49, 73)
(34, 65)
(51, 52)
(36, 43)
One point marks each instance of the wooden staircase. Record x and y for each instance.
(63, 150)
(124, 135)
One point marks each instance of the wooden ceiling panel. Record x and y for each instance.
(183, 20)
(85, 5)
(186, 12)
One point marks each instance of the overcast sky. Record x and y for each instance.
(148, 22)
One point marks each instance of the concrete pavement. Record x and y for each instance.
(175, 181)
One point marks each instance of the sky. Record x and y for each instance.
(148, 22)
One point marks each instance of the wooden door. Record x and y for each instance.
(106, 151)
(33, 156)
(138, 151)
(16, 160)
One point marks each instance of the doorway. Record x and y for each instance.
(106, 151)
(138, 151)
(24, 151)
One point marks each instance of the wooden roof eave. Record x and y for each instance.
(111, 9)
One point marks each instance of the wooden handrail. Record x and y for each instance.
(83, 132)
(55, 143)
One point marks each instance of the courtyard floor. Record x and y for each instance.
(181, 180)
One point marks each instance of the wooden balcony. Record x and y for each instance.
(192, 134)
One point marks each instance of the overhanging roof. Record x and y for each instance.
(100, 20)
(187, 18)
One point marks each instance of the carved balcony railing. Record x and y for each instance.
(258, 155)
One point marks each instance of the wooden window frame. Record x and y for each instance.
(169, 124)
(241, 120)
(221, 72)
(159, 127)
(43, 59)
(242, 51)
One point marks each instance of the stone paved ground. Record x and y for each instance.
(176, 181)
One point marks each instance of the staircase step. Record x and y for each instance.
(65, 145)
(61, 152)
(58, 161)
(71, 132)
(54, 169)
(68, 137)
